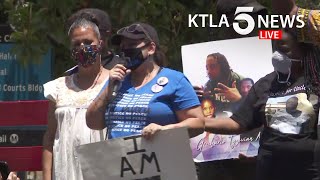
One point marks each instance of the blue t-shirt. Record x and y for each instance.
(155, 102)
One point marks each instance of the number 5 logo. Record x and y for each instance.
(240, 15)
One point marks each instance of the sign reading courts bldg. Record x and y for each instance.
(22, 82)
(23, 113)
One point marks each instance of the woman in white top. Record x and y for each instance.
(69, 97)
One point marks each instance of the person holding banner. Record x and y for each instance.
(151, 97)
(283, 154)
(310, 33)
(69, 97)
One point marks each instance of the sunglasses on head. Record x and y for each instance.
(135, 28)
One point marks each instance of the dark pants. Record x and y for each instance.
(231, 169)
(289, 166)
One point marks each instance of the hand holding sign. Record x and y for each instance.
(149, 131)
(232, 94)
(168, 156)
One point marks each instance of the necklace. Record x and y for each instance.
(95, 81)
(97, 78)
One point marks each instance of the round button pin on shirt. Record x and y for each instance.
(156, 88)
(162, 81)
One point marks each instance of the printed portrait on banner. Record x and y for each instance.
(225, 71)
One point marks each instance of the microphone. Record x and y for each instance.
(116, 87)
(117, 84)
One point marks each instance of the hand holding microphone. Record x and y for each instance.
(117, 75)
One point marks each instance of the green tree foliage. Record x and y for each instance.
(40, 24)
(310, 4)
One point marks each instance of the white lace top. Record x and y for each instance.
(71, 106)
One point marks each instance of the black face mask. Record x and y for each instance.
(135, 57)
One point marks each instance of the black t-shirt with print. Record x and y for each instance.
(289, 115)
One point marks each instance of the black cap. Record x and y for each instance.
(229, 6)
(136, 31)
(97, 16)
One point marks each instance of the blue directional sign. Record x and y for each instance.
(22, 82)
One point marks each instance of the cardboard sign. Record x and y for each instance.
(167, 157)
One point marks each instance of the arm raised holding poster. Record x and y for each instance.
(221, 67)
(151, 97)
(282, 102)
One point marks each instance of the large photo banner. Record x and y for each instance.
(225, 70)
(167, 156)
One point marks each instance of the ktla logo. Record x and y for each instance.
(242, 16)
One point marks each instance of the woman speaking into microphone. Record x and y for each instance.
(150, 97)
